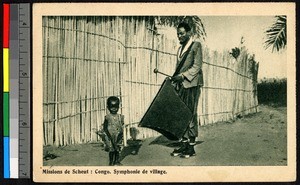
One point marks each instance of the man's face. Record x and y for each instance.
(183, 36)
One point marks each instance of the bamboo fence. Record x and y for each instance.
(87, 59)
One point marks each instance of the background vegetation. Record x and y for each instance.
(272, 91)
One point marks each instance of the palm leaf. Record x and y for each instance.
(276, 34)
(195, 22)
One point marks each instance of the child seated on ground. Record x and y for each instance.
(112, 133)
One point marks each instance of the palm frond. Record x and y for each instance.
(195, 22)
(276, 34)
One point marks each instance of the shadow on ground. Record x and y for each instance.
(132, 148)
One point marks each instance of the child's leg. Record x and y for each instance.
(117, 158)
(111, 158)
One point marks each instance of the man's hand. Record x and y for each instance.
(177, 79)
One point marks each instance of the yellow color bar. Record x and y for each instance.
(5, 70)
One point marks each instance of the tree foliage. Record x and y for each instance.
(195, 22)
(276, 34)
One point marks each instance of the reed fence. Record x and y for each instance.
(87, 59)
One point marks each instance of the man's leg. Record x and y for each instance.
(190, 97)
(183, 146)
(192, 131)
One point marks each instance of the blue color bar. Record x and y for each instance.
(6, 157)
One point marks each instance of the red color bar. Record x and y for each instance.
(5, 25)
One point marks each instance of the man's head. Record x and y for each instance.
(183, 32)
(113, 104)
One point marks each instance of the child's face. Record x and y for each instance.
(113, 107)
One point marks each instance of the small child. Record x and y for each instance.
(113, 128)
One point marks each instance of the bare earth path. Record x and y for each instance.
(255, 140)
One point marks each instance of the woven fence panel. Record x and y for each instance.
(88, 59)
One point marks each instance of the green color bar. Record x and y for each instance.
(5, 114)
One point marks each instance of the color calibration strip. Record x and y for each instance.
(16, 88)
(6, 143)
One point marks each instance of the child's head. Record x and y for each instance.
(113, 103)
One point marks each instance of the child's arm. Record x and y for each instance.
(121, 134)
(105, 127)
(122, 120)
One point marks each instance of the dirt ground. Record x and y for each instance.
(254, 140)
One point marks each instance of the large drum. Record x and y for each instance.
(167, 113)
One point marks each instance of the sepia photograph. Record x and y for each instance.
(139, 95)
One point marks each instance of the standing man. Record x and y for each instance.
(188, 79)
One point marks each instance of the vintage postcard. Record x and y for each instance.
(164, 92)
